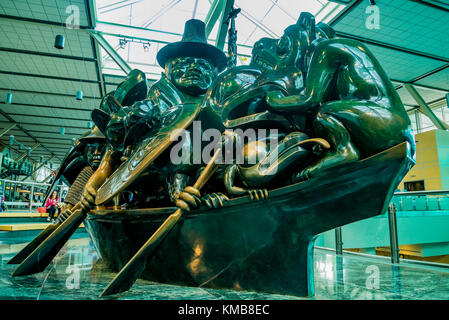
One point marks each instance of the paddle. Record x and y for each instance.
(30, 247)
(39, 259)
(44, 253)
(124, 280)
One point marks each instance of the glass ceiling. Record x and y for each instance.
(137, 29)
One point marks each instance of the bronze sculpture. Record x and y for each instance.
(93, 153)
(80, 163)
(357, 108)
(190, 66)
(77, 167)
(342, 145)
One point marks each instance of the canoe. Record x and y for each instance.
(263, 246)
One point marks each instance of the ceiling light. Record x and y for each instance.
(122, 43)
(59, 41)
(8, 98)
(79, 95)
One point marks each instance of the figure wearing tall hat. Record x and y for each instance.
(190, 66)
(236, 100)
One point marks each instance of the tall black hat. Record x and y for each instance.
(93, 136)
(193, 44)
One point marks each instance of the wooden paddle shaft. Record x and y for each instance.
(133, 269)
(211, 167)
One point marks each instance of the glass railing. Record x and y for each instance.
(416, 228)
(27, 195)
(421, 200)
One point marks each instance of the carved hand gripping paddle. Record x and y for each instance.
(133, 269)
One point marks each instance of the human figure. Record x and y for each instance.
(190, 66)
(51, 205)
(94, 150)
(2, 206)
(328, 88)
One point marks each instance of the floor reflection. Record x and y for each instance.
(77, 273)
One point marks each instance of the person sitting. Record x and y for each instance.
(51, 206)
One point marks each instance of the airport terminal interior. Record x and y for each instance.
(353, 203)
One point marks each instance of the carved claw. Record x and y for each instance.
(189, 199)
(258, 194)
(214, 200)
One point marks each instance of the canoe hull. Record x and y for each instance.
(263, 246)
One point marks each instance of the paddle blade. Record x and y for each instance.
(30, 247)
(39, 259)
(124, 280)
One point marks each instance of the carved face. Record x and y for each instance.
(190, 75)
(94, 153)
(116, 129)
(274, 54)
(264, 54)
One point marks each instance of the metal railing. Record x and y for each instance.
(432, 200)
(28, 195)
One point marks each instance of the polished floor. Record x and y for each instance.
(77, 273)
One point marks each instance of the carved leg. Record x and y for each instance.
(258, 194)
(214, 200)
(191, 199)
(342, 148)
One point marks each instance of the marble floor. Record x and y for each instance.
(77, 273)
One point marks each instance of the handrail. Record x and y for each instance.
(19, 196)
(31, 183)
(386, 258)
(421, 193)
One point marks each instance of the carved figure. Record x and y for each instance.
(347, 96)
(190, 67)
(311, 87)
(93, 153)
